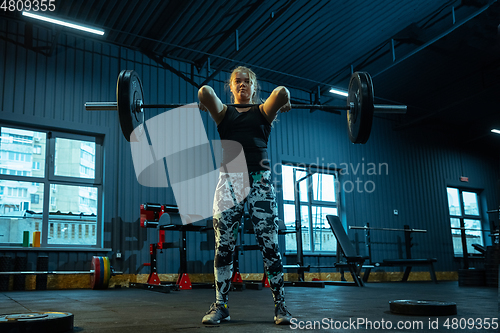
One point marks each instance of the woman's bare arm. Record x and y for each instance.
(278, 101)
(211, 103)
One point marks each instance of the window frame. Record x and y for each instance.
(65, 179)
(463, 216)
(311, 203)
(49, 179)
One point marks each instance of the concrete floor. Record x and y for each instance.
(135, 310)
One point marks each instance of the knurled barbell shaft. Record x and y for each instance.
(46, 272)
(378, 108)
(54, 272)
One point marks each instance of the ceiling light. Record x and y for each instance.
(495, 131)
(64, 23)
(339, 92)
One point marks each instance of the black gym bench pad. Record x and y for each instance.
(354, 262)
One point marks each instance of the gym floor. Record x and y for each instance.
(136, 310)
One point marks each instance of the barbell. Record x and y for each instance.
(360, 106)
(100, 272)
(386, 229)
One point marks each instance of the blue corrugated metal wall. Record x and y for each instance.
(420, 167)
(49, 92)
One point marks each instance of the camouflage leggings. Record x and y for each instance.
(230, 197)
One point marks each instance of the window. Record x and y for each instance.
(465, 220)
(64, 169)
(35, 198)
(74, 158)
(78, 206)
(86, 172)
(318, 198)
(17, 213)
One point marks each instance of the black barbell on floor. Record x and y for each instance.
(360, 105)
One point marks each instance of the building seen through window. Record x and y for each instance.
(68, 207)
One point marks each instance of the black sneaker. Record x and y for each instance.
(216, 313)
(281, 314)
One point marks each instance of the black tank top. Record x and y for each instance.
(251, 129)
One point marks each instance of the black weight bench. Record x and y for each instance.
(408, 262)
(354, 262)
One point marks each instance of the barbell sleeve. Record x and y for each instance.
(396, 109)
(101, 106)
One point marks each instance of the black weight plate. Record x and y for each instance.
(360, 116)
(128, 92)
(370, 88)
(423, 308)
(41, 322)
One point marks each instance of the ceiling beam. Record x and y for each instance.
(228, 33)
(159, 60)
(435, 39)
(270, 20)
